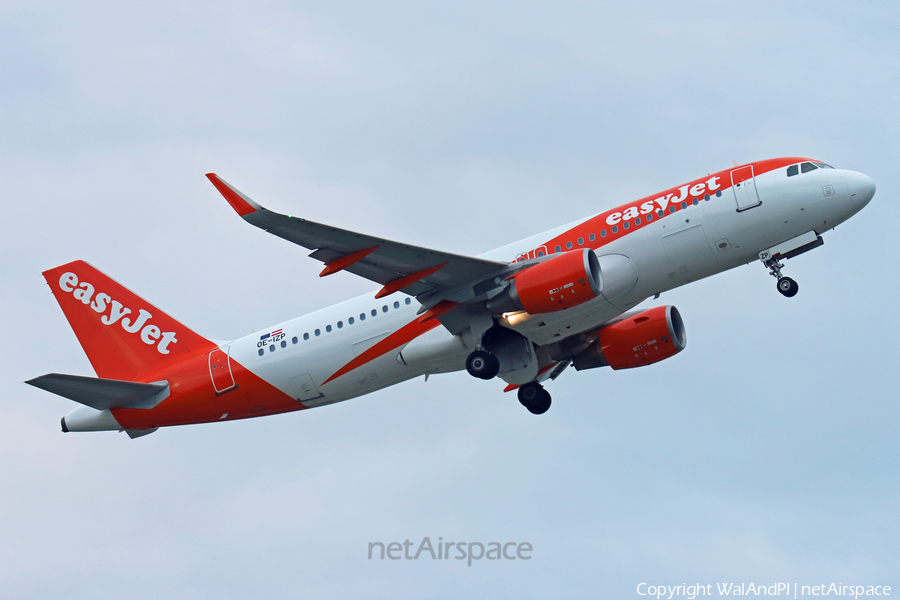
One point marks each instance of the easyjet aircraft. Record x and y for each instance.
(524, 312)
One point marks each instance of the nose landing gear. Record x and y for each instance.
(787, 286)
(535, 398)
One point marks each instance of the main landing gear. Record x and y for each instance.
(535, 398)
(482, 364)
(787, 286)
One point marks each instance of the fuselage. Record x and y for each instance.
(654, 244)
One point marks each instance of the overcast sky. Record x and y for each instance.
(767, 451)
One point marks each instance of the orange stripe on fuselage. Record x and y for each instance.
(670, 197)
(402, 336)
(192, 398)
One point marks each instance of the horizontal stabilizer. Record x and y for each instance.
(98, 393)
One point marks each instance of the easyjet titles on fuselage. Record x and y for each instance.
(696, 190)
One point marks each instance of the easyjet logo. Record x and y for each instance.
(150, 334)
(696, 190)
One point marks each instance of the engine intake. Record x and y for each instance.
(637, 340)
(558, 283)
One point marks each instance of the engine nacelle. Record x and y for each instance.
(558, 283)
(637, 340)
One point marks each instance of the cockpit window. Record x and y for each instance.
(807, 167)
(793, 170)
(822, 165)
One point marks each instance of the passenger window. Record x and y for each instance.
(568, 245)
(684, 205)
(374, 312)
(558, 249)
(396, 305)
(407, 300)
(272, 348)
(718, 193)
(649, 217)
(615, 229)
(602, 233)
(626, 224)
(793, 170)
(706, 197)
(695, 202)
(540, 253)
(637, 221)
(305, 336)
(340, 324)
(294, 340)
(384, 308)
(660, 213)
(807, 167)
(317, 332)
(362, 316)
(283, 344)
(672, 208)
(261, 351)
(350, 320)
(592, 237)
(580, 241)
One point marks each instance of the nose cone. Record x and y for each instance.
(861, 187)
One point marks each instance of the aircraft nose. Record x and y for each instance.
(862, 188)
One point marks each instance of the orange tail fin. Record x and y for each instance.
(122, 334)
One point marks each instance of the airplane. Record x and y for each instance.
(524, 312)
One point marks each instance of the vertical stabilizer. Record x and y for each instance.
(122, 334)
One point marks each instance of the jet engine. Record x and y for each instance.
(558, 283)
(639, 339)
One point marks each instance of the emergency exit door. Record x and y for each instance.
(220, 370)
(744, 185)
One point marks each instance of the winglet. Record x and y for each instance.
(238, 201)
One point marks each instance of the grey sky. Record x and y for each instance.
(766, 452)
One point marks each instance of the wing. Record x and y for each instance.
(427, 274)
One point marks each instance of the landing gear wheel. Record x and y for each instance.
(482, 364)
(535, 398)
(788, 287)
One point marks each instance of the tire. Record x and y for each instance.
(535, 398)
(482, 364)
(541, 405)
(529, 394)
(788, 287)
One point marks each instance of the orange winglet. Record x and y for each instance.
(345, 261)
(401, 282)
(237, 202)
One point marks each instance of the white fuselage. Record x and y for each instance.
(708, 236)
